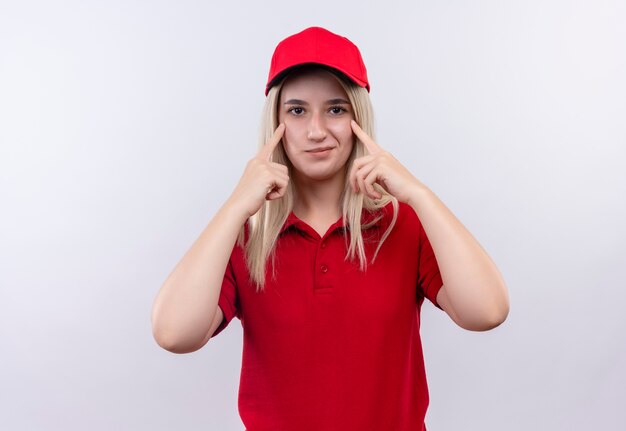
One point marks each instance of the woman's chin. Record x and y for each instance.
(316, 175)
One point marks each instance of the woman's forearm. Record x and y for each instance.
(473, 284)
(187, 302)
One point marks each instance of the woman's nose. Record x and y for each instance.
(317, 128)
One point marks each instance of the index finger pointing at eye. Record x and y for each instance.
(369, 143)
(268, 148)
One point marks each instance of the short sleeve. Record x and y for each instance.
(228, 300)
(429, 277)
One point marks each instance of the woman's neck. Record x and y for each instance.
(319, 199)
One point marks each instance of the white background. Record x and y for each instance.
(124, 125)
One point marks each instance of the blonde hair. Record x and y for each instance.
(264, 226)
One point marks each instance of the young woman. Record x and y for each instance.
(325, 251)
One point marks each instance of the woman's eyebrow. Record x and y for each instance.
(338, 102)
(328, 102)
(295, 102)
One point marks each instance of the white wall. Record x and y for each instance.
(125, 125)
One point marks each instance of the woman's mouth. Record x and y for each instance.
(320, 152)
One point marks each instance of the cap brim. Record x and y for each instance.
(296, 67)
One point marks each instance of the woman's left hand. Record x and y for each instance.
(380, 166)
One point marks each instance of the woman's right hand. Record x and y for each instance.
(262, 179)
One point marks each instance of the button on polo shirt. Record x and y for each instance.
(325, 346)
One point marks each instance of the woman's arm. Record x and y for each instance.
(473, 294)
(185, 311)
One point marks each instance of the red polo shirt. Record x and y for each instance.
(327, 347)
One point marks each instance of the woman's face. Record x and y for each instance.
(316, 111)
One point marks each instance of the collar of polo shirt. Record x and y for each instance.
(369, 220)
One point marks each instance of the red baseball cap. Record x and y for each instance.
(320, 46)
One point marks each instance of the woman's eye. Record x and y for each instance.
(296, 110)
